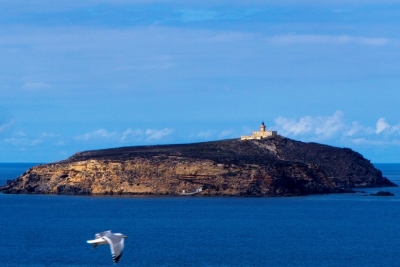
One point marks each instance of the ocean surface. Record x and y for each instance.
(323, 230)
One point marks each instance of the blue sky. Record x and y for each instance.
(80, 75)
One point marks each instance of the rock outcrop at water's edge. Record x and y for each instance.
(275, 166)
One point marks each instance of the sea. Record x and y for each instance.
(353, 229)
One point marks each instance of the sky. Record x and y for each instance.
(93, 74)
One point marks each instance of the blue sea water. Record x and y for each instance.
(323, 230)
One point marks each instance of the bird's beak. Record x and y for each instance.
(125, 236)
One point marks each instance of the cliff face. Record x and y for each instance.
(270, 167)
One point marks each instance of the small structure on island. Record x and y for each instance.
(259, 134)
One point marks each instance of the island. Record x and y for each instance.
(266, 165)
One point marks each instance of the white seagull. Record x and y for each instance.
(115, 240)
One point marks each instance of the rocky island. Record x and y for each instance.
(271, 166)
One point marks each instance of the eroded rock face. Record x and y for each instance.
(270, 167)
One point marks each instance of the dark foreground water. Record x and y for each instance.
(326, 230)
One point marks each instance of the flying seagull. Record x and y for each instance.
(115, 240)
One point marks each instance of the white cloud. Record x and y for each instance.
(129, 133)
(35, 142)
(205, 134)
(381, 125)
(318, 127)
(364, 141)
(304, 125)
(213, 134)
(335, 129)
(125, 136)
(358, 129)
(290, 126)
(329, 126)
(396, 128)
(355, 128)
(157, 134)
(6, 126)
(372, 142)
(23, 140)
(97, 134)
(14, 141)
(226, 133)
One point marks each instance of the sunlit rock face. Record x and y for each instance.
(275, 166)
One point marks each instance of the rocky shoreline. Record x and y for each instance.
(275, 166)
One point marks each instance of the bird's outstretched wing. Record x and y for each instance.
(97, 241)
(102, 234)
(116, 246)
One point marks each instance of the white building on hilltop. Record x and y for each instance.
(259, 135)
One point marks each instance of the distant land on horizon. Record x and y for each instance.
(273, 166)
